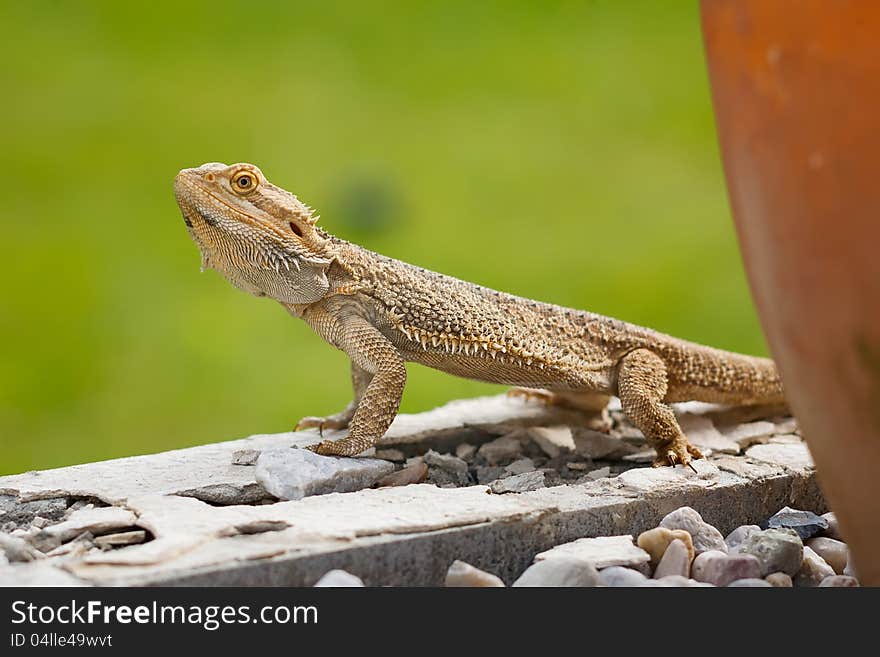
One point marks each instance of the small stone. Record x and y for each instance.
(601, 551)
(291, 474)
(390, 454)
(488, 474)
(553, 441)
(835, 553)
(750, 582)
(838, 581)
(598, 473)
(813, 570)
(521, 483)
(245, 456)
(412, 460)
(120, 539)
(656, 541)
(339, 578)
(412, 474)
(465, 451)
(500, 450)
(779, 580)
(796, 457)
(805, 523)
(40, 523)
(720, 568)
(833, 528)
(446, 462)
(17, 549)
(463, 574)
(676, 559)
(578, 466)
(750, 433)
(677, 581)
(520, 466)
(738, 535)
(778, 550)
(618, 576)
(596, 445)
(560, 571)
(705, 537)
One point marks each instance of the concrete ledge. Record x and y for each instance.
(405, 535)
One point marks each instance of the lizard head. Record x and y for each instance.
(259, 236)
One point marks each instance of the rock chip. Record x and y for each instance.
(120, 539)
(560, 571)
(655, 541)
(738, 535)
(501, 450)
(796, 456)
(833, 529)
(618, 576)
(339, 578)
(17, 549)
(705, 537)
(553, 441)
(447, 469)
(245, 456)
(488, 474)
(676, 560)
(463, 574)
(805, 523)
(778, 550)
(520, 466)
(749, 433)
(720, 568)
(291, 474)
(390, 454)
(835, 553)
(411, 474)
(602, 552)
(97, 520)
(598, 445)
(839, 581)
(701, 431)
(779, 580)
(520, 483)
(813, 570)
(750, 582)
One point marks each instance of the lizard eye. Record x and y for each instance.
(244, 182)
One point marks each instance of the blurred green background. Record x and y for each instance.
(559, 150)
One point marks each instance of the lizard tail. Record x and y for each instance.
(723, 377)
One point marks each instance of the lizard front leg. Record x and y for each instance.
(641, 385)
(360, 379)
(373, 353)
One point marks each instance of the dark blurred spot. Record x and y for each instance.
(366, 204)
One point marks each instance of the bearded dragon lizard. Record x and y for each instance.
(383, 313)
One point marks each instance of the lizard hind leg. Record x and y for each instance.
(586, 401)
(642, 385)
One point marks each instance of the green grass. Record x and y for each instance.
(560, 150)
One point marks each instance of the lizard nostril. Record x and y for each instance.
(296, 229)
(209, 177)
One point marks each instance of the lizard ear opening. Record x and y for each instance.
(296, 229)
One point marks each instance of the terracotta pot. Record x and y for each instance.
(796, 90)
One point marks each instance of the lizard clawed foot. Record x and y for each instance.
(675, 452)
(320, 423)
(342, 447)
(533, 394)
